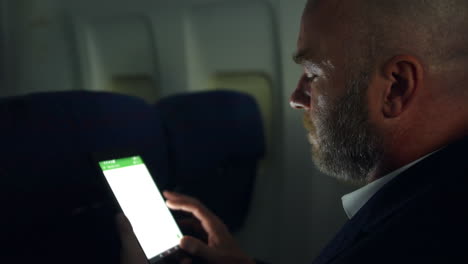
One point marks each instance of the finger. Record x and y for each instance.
(181, 201)
(123, 225)
(197, 248)
(208, 220)
(171, 195)
(178, 196)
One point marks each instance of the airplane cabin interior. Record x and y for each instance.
(199, 88)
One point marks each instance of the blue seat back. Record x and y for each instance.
(48, 175)
(215, 141)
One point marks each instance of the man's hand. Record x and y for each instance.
(221, 247)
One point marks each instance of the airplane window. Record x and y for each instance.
(115, 64)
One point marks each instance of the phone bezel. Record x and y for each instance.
(119, 154)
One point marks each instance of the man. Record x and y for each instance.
(385, 103)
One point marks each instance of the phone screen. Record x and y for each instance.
(143, 204)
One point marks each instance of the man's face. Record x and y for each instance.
(333, 93)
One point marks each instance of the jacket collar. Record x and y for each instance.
(414, 182)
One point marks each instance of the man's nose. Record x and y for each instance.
(300, 98)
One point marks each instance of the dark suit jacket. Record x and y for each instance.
(421, 216)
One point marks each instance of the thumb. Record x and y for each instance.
(197, 248)
(123, 225)
(131, 251)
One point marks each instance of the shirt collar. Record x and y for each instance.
(354, 201)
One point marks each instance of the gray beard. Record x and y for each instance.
(348, 147)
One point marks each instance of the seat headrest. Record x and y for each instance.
(211, 126)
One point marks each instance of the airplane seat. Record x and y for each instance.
(216, 141)
(55, 207)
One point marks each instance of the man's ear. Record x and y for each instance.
(405, 75)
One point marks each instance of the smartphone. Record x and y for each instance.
(138, 197)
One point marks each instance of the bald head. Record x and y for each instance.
(433, 30)
(409, 59)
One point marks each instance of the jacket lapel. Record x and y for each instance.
(412, 183)
(348, 233)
